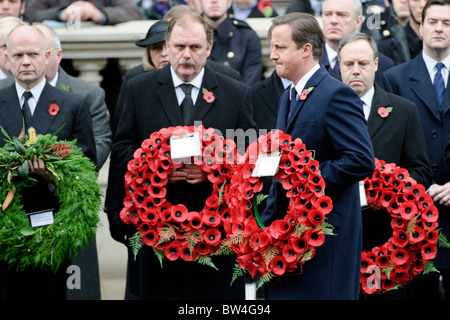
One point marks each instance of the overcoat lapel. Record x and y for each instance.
(375, 121)
(168, 98)
(42, 119)
(312, 82)
(421, 85)
(202, 107)
(11, 113)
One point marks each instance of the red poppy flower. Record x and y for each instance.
(432, 236)
(417, 234)
(431, 214)
(212, 218)
(179, 213)
(172, 251)
(382, 111)
(428, 251)
(212, 237)
(299, 244)
(203, 249)
(53, 109)
(278, 265)
(150, 238)
(316, 216)
(289, 254)
(399, 256)
(400, 238)
(187, 253)
(209, 97)
(408, 210)
(315, 237)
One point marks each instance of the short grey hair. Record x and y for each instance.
(355, 36)
(357, 8)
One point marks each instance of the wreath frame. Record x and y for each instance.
(78, 193)
(415, 234)
(174, 232)
(285, 245)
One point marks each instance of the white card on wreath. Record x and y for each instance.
(362, 195)
(41, 218)
(267, 165)
(185, 146)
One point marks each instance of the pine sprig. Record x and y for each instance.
(265, 279)
(136, 243)
(442, 240)
(225, 247)
(237, 272)
(206, 261)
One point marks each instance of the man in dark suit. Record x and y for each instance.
(329, 120)
(397, 136)
(27, 56)
(423, 80)
(340, 18)
(235, 42)
(189, 41)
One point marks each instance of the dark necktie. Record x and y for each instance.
(439, 84)
(187, 105)
(337, 69)
(293, 104)
(26, 111)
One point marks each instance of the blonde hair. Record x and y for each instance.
(7, 24)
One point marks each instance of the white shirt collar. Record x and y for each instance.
(54, 80)
(331, 54)
(367, 99)
(430, 63)
(36, 90)
(196, 82)
(302, 82)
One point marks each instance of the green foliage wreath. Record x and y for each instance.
(77, 191)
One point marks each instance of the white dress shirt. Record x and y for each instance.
(36, 91)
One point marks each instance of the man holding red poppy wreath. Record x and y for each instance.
(154, 101)
(327, 115)
(393, 123)
(424, 81)
(49, 109)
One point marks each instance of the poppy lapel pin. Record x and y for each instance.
(53, 109)
(208, 95)
(305, 93)
(384, 111)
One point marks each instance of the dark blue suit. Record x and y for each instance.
(331, 122)
(384, 63)
(412, 81)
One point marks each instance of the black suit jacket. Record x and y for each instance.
(397, 138)
(265, 97)
(151, 104)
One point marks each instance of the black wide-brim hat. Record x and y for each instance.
(156, 33)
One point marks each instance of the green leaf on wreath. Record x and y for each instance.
(136, 244)
(237, 272)
(265, 279)
(429, 267)
(27, 231)
(206, 261)
(442, 240)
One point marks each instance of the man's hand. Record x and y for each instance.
(440, 194)
(82, 9)
(190, 173)
(37, 167)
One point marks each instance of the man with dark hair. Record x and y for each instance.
(330, 120)
(424, 80)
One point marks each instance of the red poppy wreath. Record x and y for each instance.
(171, 229)
(287, 243)
(414, 239)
